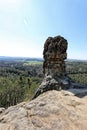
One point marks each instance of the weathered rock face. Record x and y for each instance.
(53, 110)
(54, 55)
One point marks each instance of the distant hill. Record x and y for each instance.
(8, 58)
(76, 60)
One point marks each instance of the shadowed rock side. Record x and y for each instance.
(54, 68)
(53, 110)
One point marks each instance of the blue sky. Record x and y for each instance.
(26, 24)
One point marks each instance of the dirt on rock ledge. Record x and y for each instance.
(52, 110)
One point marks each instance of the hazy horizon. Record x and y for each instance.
(19, 57)
(26, 24)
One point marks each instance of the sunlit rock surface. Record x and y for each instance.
(52, 110)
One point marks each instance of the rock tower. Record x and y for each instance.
(54, 68)
(54, 55)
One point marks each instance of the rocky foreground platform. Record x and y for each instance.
(52, 110)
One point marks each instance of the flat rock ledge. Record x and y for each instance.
(52, 110)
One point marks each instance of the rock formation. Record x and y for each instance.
(53, 110)
(54, 68)
(54, 55)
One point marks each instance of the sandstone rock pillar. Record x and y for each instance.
(54, 55)
(54, 67)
